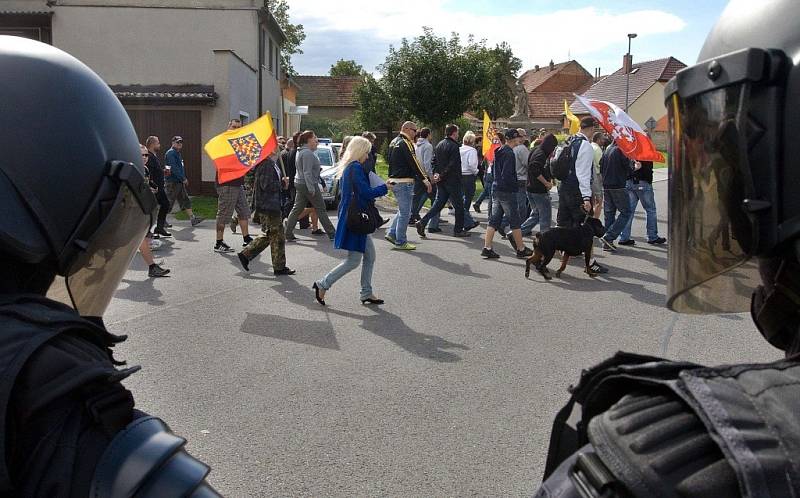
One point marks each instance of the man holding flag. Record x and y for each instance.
(235, 152)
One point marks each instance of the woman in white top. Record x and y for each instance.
(469, 173)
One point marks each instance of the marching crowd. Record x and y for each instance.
(591, 172)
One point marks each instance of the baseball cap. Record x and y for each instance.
(511, 134)
(177, 138)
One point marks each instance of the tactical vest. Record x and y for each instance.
(751, 413)
(28, 322)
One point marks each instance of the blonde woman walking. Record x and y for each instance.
(355, 187)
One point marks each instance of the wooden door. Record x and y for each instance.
(167, 124)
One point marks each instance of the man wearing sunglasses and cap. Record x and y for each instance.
(176, 181)
(73, 219)
(652, 427)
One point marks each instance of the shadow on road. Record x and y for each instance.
(392, 328)
(140, 292)
(312, 333)
(381, 323)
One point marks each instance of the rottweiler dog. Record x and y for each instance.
(570, 241)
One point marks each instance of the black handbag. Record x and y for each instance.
(362, 222)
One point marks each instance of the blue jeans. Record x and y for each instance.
(468, 185)
(367, 260)
(643, 192)
(488, 179)
(541, 213)
(504, 204)
(421, 197)
(616, 199)
(522, 205)
(403, 193)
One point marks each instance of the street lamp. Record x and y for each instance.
(628, 60)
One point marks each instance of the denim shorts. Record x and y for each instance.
(505, 203)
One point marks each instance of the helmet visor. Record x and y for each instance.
(95, 275)
(712, 236)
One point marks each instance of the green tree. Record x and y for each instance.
(498, 67)
(346, 68)
(433, 77)
(295, 35)
(378, 108)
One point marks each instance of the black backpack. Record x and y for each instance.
(563, 164)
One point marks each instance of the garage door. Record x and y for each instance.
(167, 124)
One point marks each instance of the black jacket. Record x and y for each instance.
(267, 188)
(447, 160)
(538, 164)
(403, 161)
(644, 174)
(615, 167)
(289, 166)
(156, 171)
(505, 170)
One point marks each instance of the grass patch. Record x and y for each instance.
(202, 206)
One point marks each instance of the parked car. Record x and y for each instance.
(327, 158)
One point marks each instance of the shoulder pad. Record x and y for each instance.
(147, 460)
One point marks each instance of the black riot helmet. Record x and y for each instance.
(735, 171)
(72, 187)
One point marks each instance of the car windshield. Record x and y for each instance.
(325, 156)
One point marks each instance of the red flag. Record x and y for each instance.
(628, 135)
(489, 156)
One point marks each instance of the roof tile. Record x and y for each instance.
(327, 91)
(643, 76)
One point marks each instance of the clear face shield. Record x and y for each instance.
(125, 205)
(713, 203)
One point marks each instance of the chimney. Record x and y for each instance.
(552, 66)
(627, 63)
(536, 68)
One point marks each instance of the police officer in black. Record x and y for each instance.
(655, 428)
(75, 206)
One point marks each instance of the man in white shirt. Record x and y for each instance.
(575, 193)
(469, 174)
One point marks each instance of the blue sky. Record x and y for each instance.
(593, 33)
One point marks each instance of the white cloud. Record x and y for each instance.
(535, 38)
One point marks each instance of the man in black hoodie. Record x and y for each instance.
(447, 177)
(616, 168)
(539, 185)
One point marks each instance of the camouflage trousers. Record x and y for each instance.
(272, 236)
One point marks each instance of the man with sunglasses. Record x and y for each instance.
(404, 168)
(73, 220)
(652, 427)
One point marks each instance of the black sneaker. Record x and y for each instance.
(597, 267)
(318, 231)
(658, 241)
(247, 239)
(474, 225)
(489, 254)
(525, 253)
(420, 228)
(284, 271)
(197, 220)
(222, 247)
(462, 234)
(434, 230)
(477, 207)
(608, 245)
(244, 261)
(629, 242)
(156, 271)
(161, 232)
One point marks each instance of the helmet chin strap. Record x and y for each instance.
(775, 307)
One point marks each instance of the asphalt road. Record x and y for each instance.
(447, 390)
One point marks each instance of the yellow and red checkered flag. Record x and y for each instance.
(235, 152)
